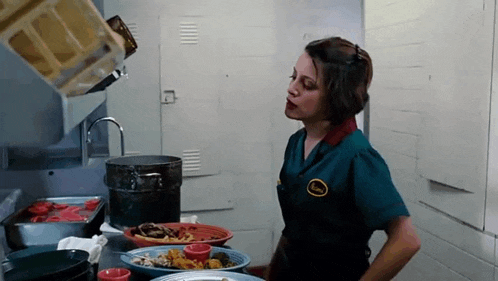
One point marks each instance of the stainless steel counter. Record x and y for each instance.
(109, 259)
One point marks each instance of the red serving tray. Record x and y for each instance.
(198, 230)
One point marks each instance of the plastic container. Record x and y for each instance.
(114, 274)
(199, 252)
(67, 42)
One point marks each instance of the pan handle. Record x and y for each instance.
(136, 175)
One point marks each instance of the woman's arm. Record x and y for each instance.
(401, 245)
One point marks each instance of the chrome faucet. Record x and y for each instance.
(110, 119)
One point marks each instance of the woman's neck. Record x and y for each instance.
(316, 130)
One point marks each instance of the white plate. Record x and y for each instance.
(208, 276)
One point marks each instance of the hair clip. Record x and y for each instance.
(357, 48)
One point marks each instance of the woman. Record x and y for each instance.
(335, 190)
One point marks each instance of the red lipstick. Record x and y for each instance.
(290, 105)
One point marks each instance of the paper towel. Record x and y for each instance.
(92, 245)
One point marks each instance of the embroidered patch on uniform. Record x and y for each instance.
(317, 188)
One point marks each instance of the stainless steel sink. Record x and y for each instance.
(9, 199)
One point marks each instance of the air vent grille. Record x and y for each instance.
(133, 27)
(191, 160)
(189, 34)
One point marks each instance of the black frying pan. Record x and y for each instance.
(51, 265)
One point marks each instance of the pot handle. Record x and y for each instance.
(136, 176)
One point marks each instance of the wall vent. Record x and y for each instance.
(189, 34)
(191, 160)
(133, 27)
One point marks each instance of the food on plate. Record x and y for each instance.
(224, 259)
(153, 230)
(159, 233)
(175, 254)
(213, 264)
(161, 261)
(187, 238)
(175, 258)
(184, 263)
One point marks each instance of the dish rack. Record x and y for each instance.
(67, 42)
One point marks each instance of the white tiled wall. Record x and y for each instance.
(397, 38)
(449, 249)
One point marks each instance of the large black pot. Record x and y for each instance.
(143, 189)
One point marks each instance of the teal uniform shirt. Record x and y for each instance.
(340, 194)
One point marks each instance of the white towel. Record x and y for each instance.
(105, 227)
(190, 219)
(92, 245)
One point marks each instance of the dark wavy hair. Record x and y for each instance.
(346, 72)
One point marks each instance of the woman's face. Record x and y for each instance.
(305, 93)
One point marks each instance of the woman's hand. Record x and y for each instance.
(401, 245)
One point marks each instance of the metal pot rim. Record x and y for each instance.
(129, 158)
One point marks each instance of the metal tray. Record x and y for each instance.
(21, 233)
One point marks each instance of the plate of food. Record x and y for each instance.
(156, 234)
(161, 260)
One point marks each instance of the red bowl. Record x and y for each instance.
(114, 274)
(199, 252)
(203, 234)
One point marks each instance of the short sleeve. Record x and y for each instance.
(375, 194)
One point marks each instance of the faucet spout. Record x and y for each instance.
(108, 119)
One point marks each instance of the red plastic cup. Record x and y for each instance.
(114, 274)
(199, 252)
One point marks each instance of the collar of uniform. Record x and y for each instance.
(335, 136)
